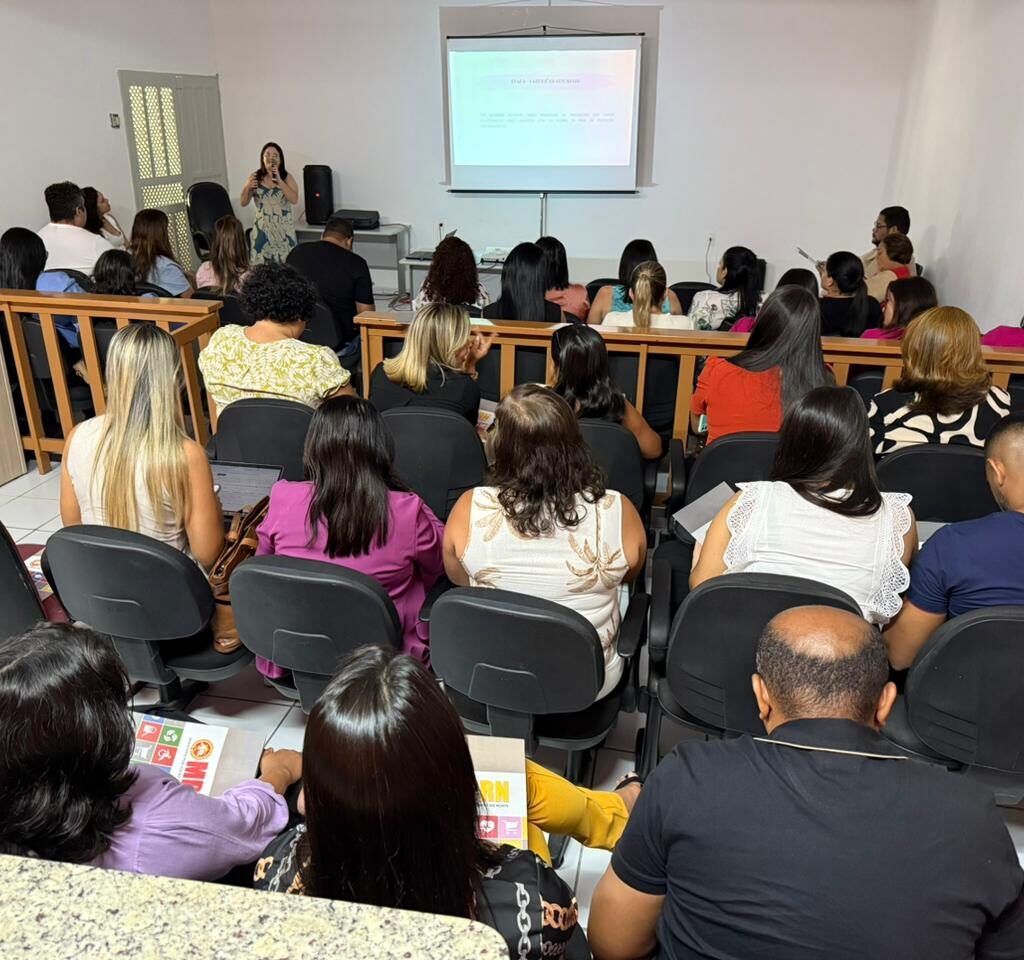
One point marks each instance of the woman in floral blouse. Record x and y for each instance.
(546, 526)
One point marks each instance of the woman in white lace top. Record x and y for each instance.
(821, 516)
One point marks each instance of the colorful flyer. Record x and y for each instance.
(189, 752)
(500, 766)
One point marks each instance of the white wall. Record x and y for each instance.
(774, 123)
(58, 72)
(957, 165)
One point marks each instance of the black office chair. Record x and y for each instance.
(20, 607)
(733, 459)
(1016, 389)
(616, 451)
(437, 453)
(154, 602)
(947, 481)
(154, 289)
(685, 290)
(867, 383)
(701, 662)
(82, 279)
(306, 615)
(519, 666)
(207, 202)
(962, 701)
(35, 345)
(263, 431)
(231, 307)
(595, 285)
(322, 330)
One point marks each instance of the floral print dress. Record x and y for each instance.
(273, 233)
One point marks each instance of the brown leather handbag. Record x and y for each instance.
(240, 543)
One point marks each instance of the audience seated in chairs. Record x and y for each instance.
(847, 309)
(547, 526)
(738, 293)
(780, 363)
(267, 358)
(523, 288)
(904, 300)
(795, 277)
(154, 259)
(436, 366)
(453, 279)
(69, 792)
(582, 377)
(98, 218)
(385, 721)
(69, 245)
(134, 467)
(647, 289)
(114, 274)
(618, 298)
(228, 265)
(821, 516)
(970, 565)
(352, 510)
(571, 297)
(945, 394)
(859, 851)
(895, 254)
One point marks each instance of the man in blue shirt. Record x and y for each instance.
(964, 566)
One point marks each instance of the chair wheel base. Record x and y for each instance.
(174, 700)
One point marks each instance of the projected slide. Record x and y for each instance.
(543, 114)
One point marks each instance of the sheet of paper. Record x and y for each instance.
(500, 765)
(189, 752)
(692, 522)
(925, 528)
(34, 567)
(485, 417)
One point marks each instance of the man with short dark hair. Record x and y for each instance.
(889, 220)
(340, 276)
(818, 840)
(69, 246)
(969, 565)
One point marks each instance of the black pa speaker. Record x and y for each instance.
(316, 177)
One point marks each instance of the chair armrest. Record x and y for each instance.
(442, 585)
(633, 629)
(677, 476)
(661, 610)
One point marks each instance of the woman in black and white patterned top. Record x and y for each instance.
(945, 394)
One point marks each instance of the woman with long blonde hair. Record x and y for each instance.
(229, 258)
(945, 394)
(648, 293)
(134, 467)
(436, 366)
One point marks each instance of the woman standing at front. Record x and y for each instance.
(273, 189)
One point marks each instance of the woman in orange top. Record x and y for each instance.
(781, 362)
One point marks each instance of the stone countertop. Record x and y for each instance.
(52, 911)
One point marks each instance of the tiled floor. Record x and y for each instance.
(29, 508)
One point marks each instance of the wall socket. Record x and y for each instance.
(115, 121)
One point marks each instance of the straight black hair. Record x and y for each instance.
(582, 375)
(911, 296)
(348, 458)
(523, 284)
(633, 254)
(799, 277)
(742, 275)
(847, 270)
(22, 258)
(66, 741)
(391, 796)
(556, 263)
(825, 447)
(262, 172)
(787, 336)
(93, 220)
(114, 273)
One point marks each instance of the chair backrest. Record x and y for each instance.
(734, 458)
(686, 289)
(154, 289)
(231, 307)
(264, 430)
(207, 203)
(947, 481)
(965, 689)
(82, 279)
(437, 454)
(1016, 388)
(135, 588)
(713, 642)
(19, 601)
(596, 285)
(867, 383)
(616, 451)
(306, 615)
(519, 655)
(322, 330)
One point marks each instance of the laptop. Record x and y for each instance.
(242, 484)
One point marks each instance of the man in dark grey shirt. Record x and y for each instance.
(817, 840)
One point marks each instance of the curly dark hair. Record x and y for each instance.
(452, 277)
(275, 291)
(541, 462)
(66, 740)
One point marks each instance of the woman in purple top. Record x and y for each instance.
(354, 511)
(70, 793)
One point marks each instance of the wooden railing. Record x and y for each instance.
(190, 322)
(688, 346)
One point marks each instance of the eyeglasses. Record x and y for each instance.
(880, 225)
